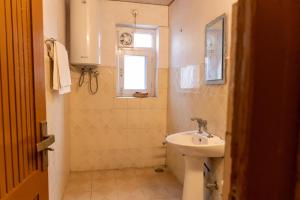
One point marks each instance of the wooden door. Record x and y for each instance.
(266, 112)
(22, 100)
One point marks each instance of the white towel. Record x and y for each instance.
(61, 69)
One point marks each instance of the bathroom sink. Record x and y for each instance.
(191, 143)
(196, 148)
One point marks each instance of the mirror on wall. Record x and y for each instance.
(215, 51)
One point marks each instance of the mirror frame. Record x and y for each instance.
(223, 19)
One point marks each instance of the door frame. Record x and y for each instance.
(265, 145)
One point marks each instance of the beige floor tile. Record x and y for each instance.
(126, 173)
(77, 195)
(155, 192)
(100, 195)
(179, 198)
(128, 184)
(102, 185)
(174, 190)
(104, 175)
(127, 181)
(130, 192)
(74, 176)
(166, 178)
(79, 185)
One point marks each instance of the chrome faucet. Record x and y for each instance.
(202, 126)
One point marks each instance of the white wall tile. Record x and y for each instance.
(115, 132)
(187, 44)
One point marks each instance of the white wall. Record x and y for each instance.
(57, 105)
(187, 44)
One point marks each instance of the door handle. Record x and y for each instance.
(44, 146)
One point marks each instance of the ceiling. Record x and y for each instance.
(155, 2)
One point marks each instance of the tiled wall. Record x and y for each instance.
(57, 105)
(187, 39)
(109, 132)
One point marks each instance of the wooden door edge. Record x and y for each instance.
(227, 159)
(297, 187)
(242, 100)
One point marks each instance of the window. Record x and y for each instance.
(136, 65)
(143, 40)
(135, 72)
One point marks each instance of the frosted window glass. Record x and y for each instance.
(143, 40)
(134, 72)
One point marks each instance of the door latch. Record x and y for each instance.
(44, 145)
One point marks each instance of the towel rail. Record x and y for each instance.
(50, 44)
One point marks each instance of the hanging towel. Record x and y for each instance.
(61, 69)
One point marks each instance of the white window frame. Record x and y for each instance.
(150, 54)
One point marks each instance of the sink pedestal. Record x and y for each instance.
(193, 188)
(197, 147)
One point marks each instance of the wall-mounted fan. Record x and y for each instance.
(125, 40)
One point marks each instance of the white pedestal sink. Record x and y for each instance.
(196, 148)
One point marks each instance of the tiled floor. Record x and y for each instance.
(128, 184)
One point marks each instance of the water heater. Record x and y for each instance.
(85, 37)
